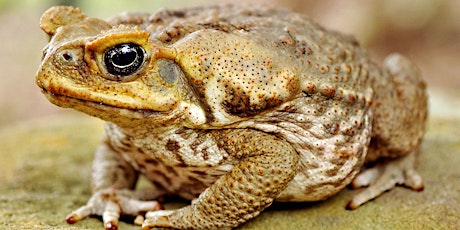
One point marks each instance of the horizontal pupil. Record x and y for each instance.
(125, 56)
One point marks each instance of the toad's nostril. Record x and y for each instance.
(67, 56)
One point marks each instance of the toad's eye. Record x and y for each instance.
(124, 59)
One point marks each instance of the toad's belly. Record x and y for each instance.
(186, 182)
(327, 165)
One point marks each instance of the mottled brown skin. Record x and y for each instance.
(232, 107)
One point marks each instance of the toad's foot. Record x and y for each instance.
(110, 204)
(385, 176)
(161, 219)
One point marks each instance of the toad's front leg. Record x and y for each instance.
(113, 180)
(266, 166)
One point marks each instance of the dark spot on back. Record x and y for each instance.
(172, 146)
(205, 154)
(240, 104)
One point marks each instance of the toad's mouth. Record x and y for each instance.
(131, 96)
(98, 109)
(134, 99)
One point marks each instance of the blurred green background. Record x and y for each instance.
(428, 31)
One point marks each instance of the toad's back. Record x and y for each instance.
(321, 59)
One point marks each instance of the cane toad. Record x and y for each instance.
(232, 107)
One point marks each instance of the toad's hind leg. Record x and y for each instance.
(266, 166)
(400, 111)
